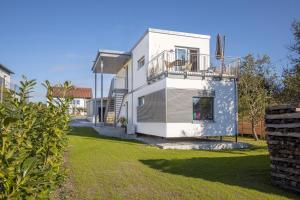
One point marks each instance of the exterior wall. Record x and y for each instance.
(159, 42)
(157, 129)
(154, 108)
(140, 50)
(225, 115)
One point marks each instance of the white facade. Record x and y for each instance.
(154, 42)
(78, 106)
(5, 75)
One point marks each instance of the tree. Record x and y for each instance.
(255, 88)
(291, 77)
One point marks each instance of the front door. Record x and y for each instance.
(193, 56)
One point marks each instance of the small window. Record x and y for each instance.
(203, 108)
(141, 62)
(141, 101)
(78, 102)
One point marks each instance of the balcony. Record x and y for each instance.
(170, 63)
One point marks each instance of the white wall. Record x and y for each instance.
(7, 78)
(224, 109)
(140, 50)
(159, 42)
(158, 129)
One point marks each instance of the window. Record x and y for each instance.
(141, 62)
(181, 53)
(78, 102)
(203, 108)
(141, 101)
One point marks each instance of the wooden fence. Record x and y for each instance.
(244, 128)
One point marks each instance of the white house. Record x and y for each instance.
(168, 85)
(80, 97)
(5, 76)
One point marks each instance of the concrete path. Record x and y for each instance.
(193, 143)
(163, 143)
(116, 132)
(81, 122)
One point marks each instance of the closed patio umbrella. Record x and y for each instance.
(219, 48)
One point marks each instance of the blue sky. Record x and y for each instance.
(58, 40)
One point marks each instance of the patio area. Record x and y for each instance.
(163, 143)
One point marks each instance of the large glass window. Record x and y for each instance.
(203, 108)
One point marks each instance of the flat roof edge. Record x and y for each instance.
(154, 30)
(6, 69)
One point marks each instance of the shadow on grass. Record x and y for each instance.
(89, 132)
(245, 171)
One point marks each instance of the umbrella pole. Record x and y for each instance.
(223, 57)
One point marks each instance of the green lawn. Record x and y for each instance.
(106, 168)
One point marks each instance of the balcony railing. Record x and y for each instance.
(119, 83)
(167, 62)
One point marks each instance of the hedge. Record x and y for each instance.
(32, 143)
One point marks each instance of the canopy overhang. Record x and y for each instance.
(111, 61)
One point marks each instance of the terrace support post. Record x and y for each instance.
(95, 100)
(236, 109)
(101, 114)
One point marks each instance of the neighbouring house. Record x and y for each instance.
(80, 97)
(168, 85)
(5, 81)
(5, 76)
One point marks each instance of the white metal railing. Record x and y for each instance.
(119, 83)
(192, 64)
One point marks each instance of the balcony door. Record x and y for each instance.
(186, 56)
(193, 59)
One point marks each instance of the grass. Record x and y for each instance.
(107, 168)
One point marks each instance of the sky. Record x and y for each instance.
(57, 40)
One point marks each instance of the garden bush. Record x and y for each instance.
(32, 143)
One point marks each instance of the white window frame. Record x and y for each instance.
(140, 61)
(141, 101)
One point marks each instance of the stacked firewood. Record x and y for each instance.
(283, 137)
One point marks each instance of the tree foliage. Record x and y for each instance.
(32, 143)
(255, 86)
(291, 77)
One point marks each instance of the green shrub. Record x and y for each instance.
(32, 143)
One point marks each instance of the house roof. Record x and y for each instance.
(6, 69)
(75, 92)
(112, 61)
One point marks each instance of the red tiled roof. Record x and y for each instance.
(75, 92)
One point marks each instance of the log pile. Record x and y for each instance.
(283, 137)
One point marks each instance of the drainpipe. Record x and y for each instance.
(236, 109)
(101, 114)
(95, 100)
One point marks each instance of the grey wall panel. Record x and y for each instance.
(154, 108)
(180, 104)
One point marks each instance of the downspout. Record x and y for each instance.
(236, 103)
(95, 100)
